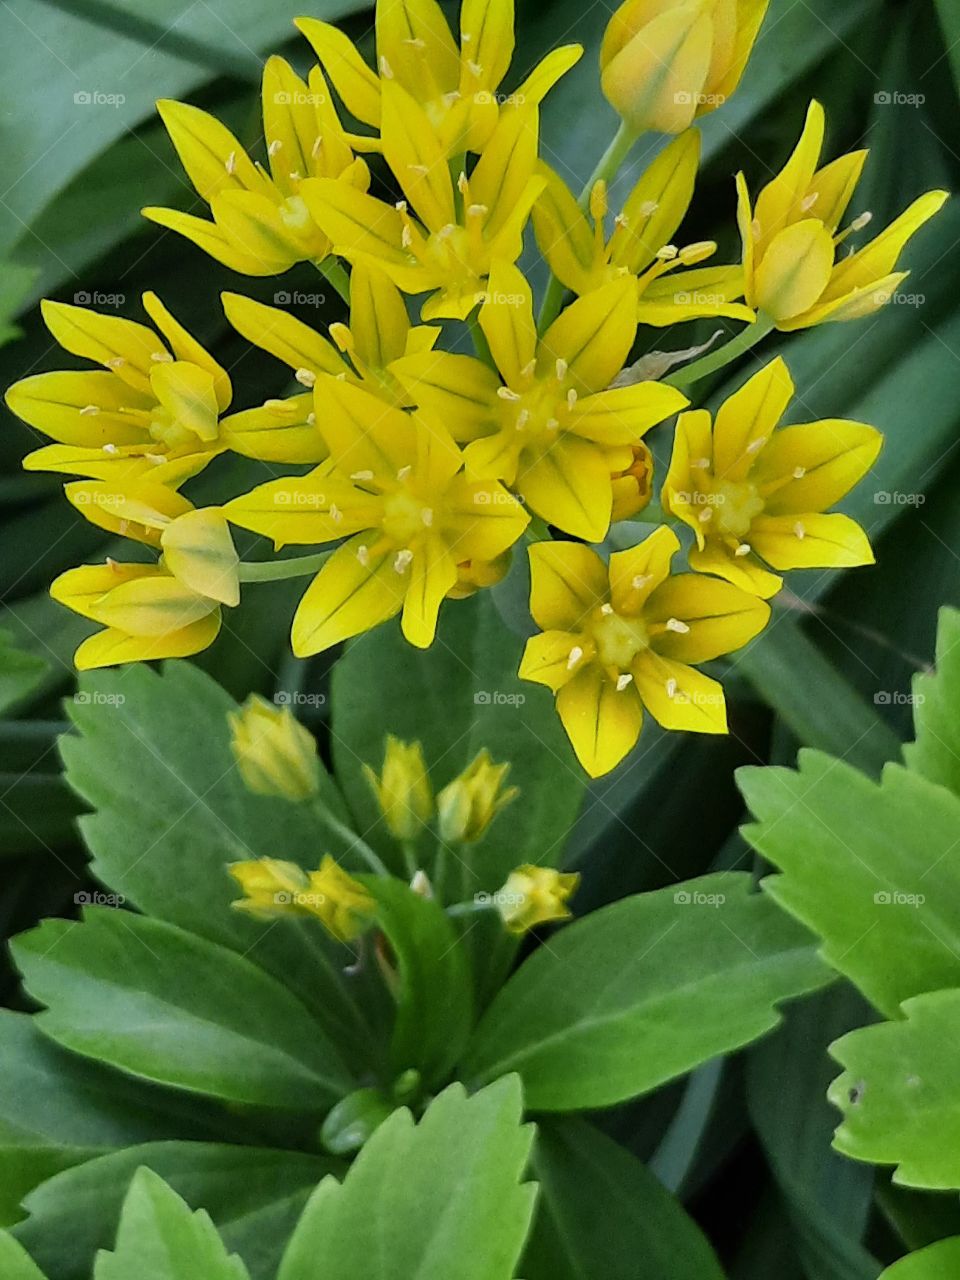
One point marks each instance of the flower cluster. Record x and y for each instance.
(418, 469)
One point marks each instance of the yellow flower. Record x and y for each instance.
(790, 240)
(467, 805)
(403, 790)
(261, 225)
(146, 611)
(276, 888)
(550, 429)
(395, 489)
(275, 753)
(620, 639)
(584, 258)
(456, 88)
(379, 333)
(474, 575)
(464, 228)
(755, 495)
(535, 895)
(664, 62)
(151, 413)
(633, 486)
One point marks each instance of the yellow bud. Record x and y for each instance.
(664, 64)
(535, 895)
(340, 902)
(271, 887)
(633, 487)
(473, 575)
(403, 789)
(468, 804)
(276, 755)
(276, 888)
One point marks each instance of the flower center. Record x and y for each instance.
(405, 518)
(735, 506)
(618, 639)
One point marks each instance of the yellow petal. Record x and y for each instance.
(152, 606)
(60, 404)
(139, 510)
(594, 335)
(76, 460)
(283, 335)
(361, 431)
(849, 306)
(569, 485)
(879, 257)
(810, 542)
(718, 617)
(198, 550)
(811, 466)
(415, 46)
(213, 158)
(551, 68)
(432, 572)
(82, 589)
(314, 508)
(185, 347)
(507, 321)
(189, 396)
(638, 571)
(832, 188)
(745, 572)
(780, 201)
(414, 153)
(655, 79)
(794, 270)
(503, 172)
(745, 421)
(547, 658)
(125, 347)
(111, 647)
(567, 582)
(279, 431)
(483, 519)
(256, 226)
(692, 442)
(621, 415)
(353, 592)
(602, 723)
(379, 324)
(209, 237)
(356, 84)
(506, 242)
(749, 19)
(679, 697)
(358, 225)
(456, 392)
(748, 239)
(563, 233)
(486, 37)
(657, 204)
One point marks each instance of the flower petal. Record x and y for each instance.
(718, 617)
(747, 418)
(486, 37)
(457, 392)
(657, 204)
(413, 151)
(207, 236)
(507, 321)
(415, 45)
(621, 415)
(810, 542)
(569, 485)
(832, 188)
(692, 443)
(654, 80)
(794, 269)
(639, 570)
(278, 431)
(356, 84)
(198, 550)
(594, 335)
(152, 606)
(679, 697)
(547, 658)
(567, 582)
(189, 396)
(111, 647)
(502, 174)
(284, 336)
(352, 593)
(60, 404)
(83, 588)
(363, 433)
(602, 723)
(563, 233)
(379, 324)
(811, 466)
(483, 519)
(303, 510)
(185, 347)
(745, 572)
(357, 224)
(879, 257)
(780, 201)
(433, 571)
(123, 346)
(212, 157)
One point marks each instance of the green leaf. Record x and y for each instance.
(940, 1261)
(165, 1005)
(936, 710)
(159, 1238)
(900, 1095)
(436, 1199)
(587, 1182)
(20, 673)
(253, 1195)
(461, 695)
(642, 991)
(15, 1262)
(153, 758)
(950, 21)
(866, 866)
(434, 996)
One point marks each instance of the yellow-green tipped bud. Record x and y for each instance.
(535, 895)
(664, 64)
(276, 755)
(468, 804)
(403, 789)
(275, 888)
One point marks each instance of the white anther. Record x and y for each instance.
(231, 163)
(674, 624)
(306, 377)
(623, 681)
(757, 444)
(742, 550)
(274, 147)
(671, 688)
(799, 530)
(403, 473)
(426, 515)
(799, 473)
(385, 69)
(507, 393)
(361, 475)
(640, 580)
(363, 554)
(89, 410)
(606, 610)
(706, 515)
(403, 560)
(667, 253)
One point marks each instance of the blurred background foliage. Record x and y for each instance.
(83, 151)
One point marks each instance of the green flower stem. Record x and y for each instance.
(410, 859)
(607, 168)
(334, 273)
(275, 570)
(356, 844)
(748, 337)
(537, 530)
(470, 908)
(480, 344)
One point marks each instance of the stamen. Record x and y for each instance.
(294, 175)
(421, 169)
(317, 144)
(671, 688)
(674, 624)
(507, 393)
(667, 253)
(463, 185)
(306, 377)
(110, 448)
(403, 560)
(415, 42)
(706, 515)
(426, 515)
(562, 368)
(311, 419)
(743, 550)
(161, 357)
(89, 410)
(529, 369)
(621, 220)
(336, 515)
(756, 229)
(274, 147)
(576, 653)
(230, 164)
(116, 362)
(385, 69)
(406, 236)
(552, 424)
(864, 220)
(807, 203)
(571, 398)
(606, 610)
(361, 475)
(649, 208)
(477, 210)
(475, 69)
(799, 530)
(523, 417)
(640, 580)
(450, 98)
(623, 681)
(799, 473)
(701, 464)
(404, 472)
(756, 445)
(363, 554)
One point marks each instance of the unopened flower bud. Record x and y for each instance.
(403, 789)
(275, 753)
(632, 488)
(535, 895)
(467, 805)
